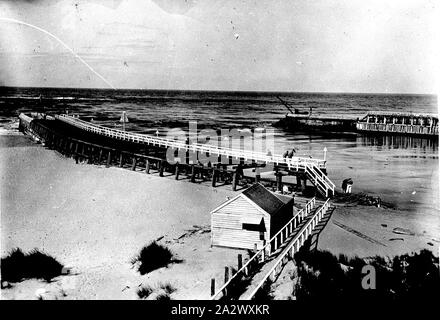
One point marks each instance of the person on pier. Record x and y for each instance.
(291, 153)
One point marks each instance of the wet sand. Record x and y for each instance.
(95, 219)
(367, 231)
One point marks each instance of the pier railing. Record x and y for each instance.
(293, 246)
(320, 180)
(294, 162)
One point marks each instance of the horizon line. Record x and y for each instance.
(219, 90)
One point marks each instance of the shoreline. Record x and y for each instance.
(100, 217)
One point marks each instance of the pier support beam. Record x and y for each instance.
(279, 177)
(161, 167)
(236, 176)
(121, 160)
(298, 181)
(147, 166)
(214, 177)
(177, 171)
(90, 155)
(303, 184)
(109, 158)
(193, 173)
(100, 156)
(235, 180)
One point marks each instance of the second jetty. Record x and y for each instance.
(377, 122)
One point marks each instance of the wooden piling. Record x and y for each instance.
(100, 156)
(147, 166)
(235, 180)
(109, 158)
(91, 155)
(161, 168)
(133, 164)
(177, 171)
(121, 160)
(193, 173)
(214, 176)
(279, 182)
(303, 184)
(226, 274)
(239, 262)
(212, 287)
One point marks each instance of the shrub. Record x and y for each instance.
(163, 291)
(163, 297)
(152, 257)
(144, 291)
(18, 266)
(168, 288)
(409, 277)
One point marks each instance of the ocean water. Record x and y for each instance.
(402, 170)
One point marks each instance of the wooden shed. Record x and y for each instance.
(252, 217)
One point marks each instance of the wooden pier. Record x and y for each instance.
(95, 144)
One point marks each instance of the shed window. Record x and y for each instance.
(261, 227)
(252, 227)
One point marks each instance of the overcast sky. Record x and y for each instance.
(325, 46)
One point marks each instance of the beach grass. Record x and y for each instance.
(163, 297)
(153, 256)
(18, 266)
(163, 291)
(324, 275)
(144, 291)
(168, 288)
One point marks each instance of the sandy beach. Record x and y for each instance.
(95, 219)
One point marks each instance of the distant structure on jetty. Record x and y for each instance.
(85, 141)
(399, 123)
(377, 122)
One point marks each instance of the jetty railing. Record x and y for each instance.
(294, 162)
(397, 128)
(321, 181)
(294, 246)
(271, 246)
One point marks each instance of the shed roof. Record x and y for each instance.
(262, 197)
